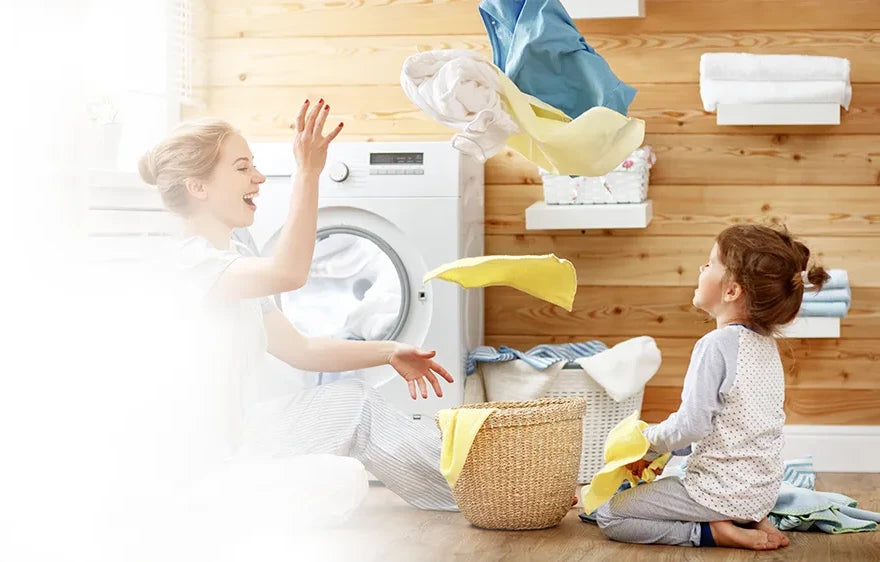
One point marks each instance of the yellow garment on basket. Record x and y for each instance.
(459, 428)
(593, 144)
(625, 444)
(545, 277)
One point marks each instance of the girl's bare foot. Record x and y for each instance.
(769, 528)
(725, 533)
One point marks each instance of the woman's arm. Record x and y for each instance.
(329, 355)
(288, 268)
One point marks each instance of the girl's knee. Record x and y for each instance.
(604, 517)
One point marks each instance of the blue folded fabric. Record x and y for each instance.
(829, 295)
(540, 357)
(535, 43)
(824, 309)
(800, 473)
(839, 279)
(801, 509)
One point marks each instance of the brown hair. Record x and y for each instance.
(191, 151)
(769, 265)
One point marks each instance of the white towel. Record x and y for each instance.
(714, 91)
(459, 88)
(624, 369)
(517, 380)
(777, 68)
(377, 313)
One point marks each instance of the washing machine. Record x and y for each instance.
(387, 214)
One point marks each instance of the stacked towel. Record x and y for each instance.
(832, 300)
(745, 78)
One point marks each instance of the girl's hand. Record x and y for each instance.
(638, 466)
(415, 365)
(310, 144)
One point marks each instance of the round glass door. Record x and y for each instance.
(357, 288)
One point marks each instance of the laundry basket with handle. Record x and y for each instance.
(602, 414)
(522, 469)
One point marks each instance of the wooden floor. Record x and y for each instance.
(386, 528)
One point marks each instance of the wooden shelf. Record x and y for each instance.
(778, 114)
(542, 216)
(813, 327)
(592, 9)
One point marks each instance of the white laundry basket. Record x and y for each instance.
(603, 413)
(627, 183)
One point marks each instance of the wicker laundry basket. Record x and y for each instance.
(603, 413)
(522, 468)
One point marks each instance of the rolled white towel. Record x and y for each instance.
(777, 68)
(714, 92)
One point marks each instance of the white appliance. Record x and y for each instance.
(388, 213)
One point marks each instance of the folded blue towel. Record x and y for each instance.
(540, 357)
(839, 279)
(824, 309)
(829, 295)
(800, 509)
(800, 472)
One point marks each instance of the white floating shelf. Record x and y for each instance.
(590, 9)
(813, 327)
(778, 114)
(542, 216)
(116, 179)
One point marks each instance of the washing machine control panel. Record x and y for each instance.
(397, 163)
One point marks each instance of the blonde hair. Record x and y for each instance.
(191, 151)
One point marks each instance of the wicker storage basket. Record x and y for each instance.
(522, 468)
(603, 413)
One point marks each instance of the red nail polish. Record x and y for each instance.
(326, 108)
(307, 100)
(320, 101)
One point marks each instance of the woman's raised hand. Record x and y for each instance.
(310, 142)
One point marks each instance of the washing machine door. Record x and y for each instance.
(361, 286)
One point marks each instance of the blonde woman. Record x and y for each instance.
(206, 174)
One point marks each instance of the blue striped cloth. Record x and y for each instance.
(799, 472)
(540, 357)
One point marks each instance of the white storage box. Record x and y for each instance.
(603, 413)
(627, 183)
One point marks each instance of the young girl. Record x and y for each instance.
(206, 173)
(732, 405)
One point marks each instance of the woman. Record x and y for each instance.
(206, 174)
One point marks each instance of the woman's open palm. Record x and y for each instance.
(310, 142)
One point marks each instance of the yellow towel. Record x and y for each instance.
(593, 144)
(459, 428)
(545, 277)
(625, 444)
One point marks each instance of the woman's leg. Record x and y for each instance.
(351, 418)
(662, 512)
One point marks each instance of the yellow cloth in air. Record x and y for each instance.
(459, 428)
(593, 144)
(545, 277)
(625, 444)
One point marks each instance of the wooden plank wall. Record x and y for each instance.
(265, 56)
